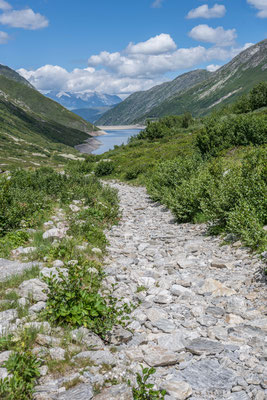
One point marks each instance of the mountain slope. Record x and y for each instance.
(11, 74)
(30, 100)
(223, 87)
(140, 103)
(33, 127)
(78, 100)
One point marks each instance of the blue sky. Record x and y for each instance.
(121, 46)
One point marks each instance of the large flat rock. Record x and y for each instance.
(9, 268)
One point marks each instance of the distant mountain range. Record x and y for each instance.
(92, 114)
(78, 100)
(198, 91)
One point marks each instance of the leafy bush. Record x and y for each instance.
(169, 175)
(144, 390)
(104, 168)
(233, 197)
(133, 172)
(238, 130)
(165, 126)
(11, 241)
(22, 364)
(75, 300)
(256, 99)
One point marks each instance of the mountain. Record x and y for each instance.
(79, 100)
(140, 103)
(11, 74)
(31, 124)
(92, 114)
(224, 86)
(221, 87)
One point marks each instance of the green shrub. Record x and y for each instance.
(104, 168)
(24, 367)
(169, 175)
(75, 300)
(133, 172)
(238, 130)
(144, 389)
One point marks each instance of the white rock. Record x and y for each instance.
(179, 390)
(33, 288)
(55, 233)
(57, 353)
(58, 264)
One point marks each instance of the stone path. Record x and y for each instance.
(202, 321)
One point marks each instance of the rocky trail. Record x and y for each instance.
(201, 319)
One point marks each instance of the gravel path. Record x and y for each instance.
(202, 321)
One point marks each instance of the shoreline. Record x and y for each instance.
(88, 146)
(120, 127)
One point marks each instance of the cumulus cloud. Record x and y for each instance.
(218, 36)
(217, 11)
(4, 37)
(212, 67)
(26, 19)
(157, 45)
(261, 5)
(129, 70)
(4, 5)
(157, 3)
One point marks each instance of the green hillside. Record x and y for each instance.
(35, 130)
(223, 87)
(139, 103)
(199, 97)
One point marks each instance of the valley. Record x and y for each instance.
(133, 248)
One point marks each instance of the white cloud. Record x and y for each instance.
(212, 67)
(26, 19)
(159, 44)
(217, 11)
(4, 37)
(157, 3)
(125, 72)
(4, 5)
(261, 5)
(218, 36)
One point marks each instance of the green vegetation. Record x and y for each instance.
(22, 364)
(144, 389)
(24, 367)
(206, 170)
(74, 299)
(35, 130)
(104, 168)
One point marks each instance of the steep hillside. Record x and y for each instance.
(223, 87)
(11, 74)
(33, 128)
(140, 103)
(75, 100)
(31, 101)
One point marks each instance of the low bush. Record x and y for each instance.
(231, 196)
(235, 130)
(145, 390)
(75, 299)
(104, 168)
